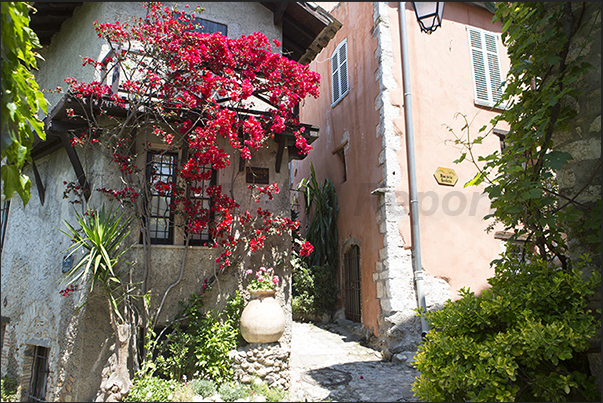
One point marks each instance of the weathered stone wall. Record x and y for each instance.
(268, 362)
(399, 327)
(31, 270)
(82, 342)
(580, 178)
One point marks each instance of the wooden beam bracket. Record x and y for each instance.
(77, 165)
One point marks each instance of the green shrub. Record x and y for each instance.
(276, 394)
(8, 388)
(184, 393)
(525, 338)
(152, 389)
(314, 291)
(303, 293)
(198, 343)
(232, 391)
(204, 387)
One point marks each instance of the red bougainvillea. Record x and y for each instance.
(209, 97)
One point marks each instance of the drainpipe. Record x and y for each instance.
(412, 182)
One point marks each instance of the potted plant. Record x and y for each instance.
(262, 320)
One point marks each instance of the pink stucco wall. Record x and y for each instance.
(355, 119)
(453, 239)
(454, 244)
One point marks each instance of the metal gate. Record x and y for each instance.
(351, 268)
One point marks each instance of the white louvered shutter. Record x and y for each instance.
(343, 68)
(335, 70)
(487, 76)
(339, 68)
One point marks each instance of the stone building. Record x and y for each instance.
(363, 151)
(55, 352)
(580, 178)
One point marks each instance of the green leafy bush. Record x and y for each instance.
(232, 391)
(152, 389)
(276, 394)
(198, 343)
(9, 389)
(204, 387)
(314, 291)
(525, 339)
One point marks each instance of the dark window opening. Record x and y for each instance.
(204, 26)
(39, 374)
(352, 285)
(161, 174)
(502, 135)
(209, 27)
(340, 152)
(3, 220)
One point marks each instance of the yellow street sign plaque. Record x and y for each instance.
(446, 176)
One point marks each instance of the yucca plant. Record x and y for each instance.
(101, 236)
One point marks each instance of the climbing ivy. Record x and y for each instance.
(21, 98)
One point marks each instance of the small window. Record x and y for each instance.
(161, 169)
(339, 71)
(485, 64)
(204, 26)
(340, 152)
(209, 27)
(3, 220)
(39, 374)
(502, 137)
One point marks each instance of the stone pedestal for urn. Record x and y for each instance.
(263, 319)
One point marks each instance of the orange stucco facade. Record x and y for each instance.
(367, 129)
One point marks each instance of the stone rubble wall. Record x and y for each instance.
(267, 361)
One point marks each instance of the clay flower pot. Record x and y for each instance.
(262, 320)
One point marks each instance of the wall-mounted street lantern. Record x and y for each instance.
(429, 15)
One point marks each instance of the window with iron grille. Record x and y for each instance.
(161, 172)
(339, 72)
(352, 284)
(39, 374)
(197, 195)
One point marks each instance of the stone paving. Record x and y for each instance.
(328, 363)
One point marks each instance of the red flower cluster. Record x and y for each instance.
(126, 195)
(67, 291)
(77, 190)
(257, 191)
(306, 249)
(201, 87)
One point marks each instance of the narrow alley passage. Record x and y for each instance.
(332, 365)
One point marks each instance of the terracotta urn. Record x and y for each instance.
(262, 320)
